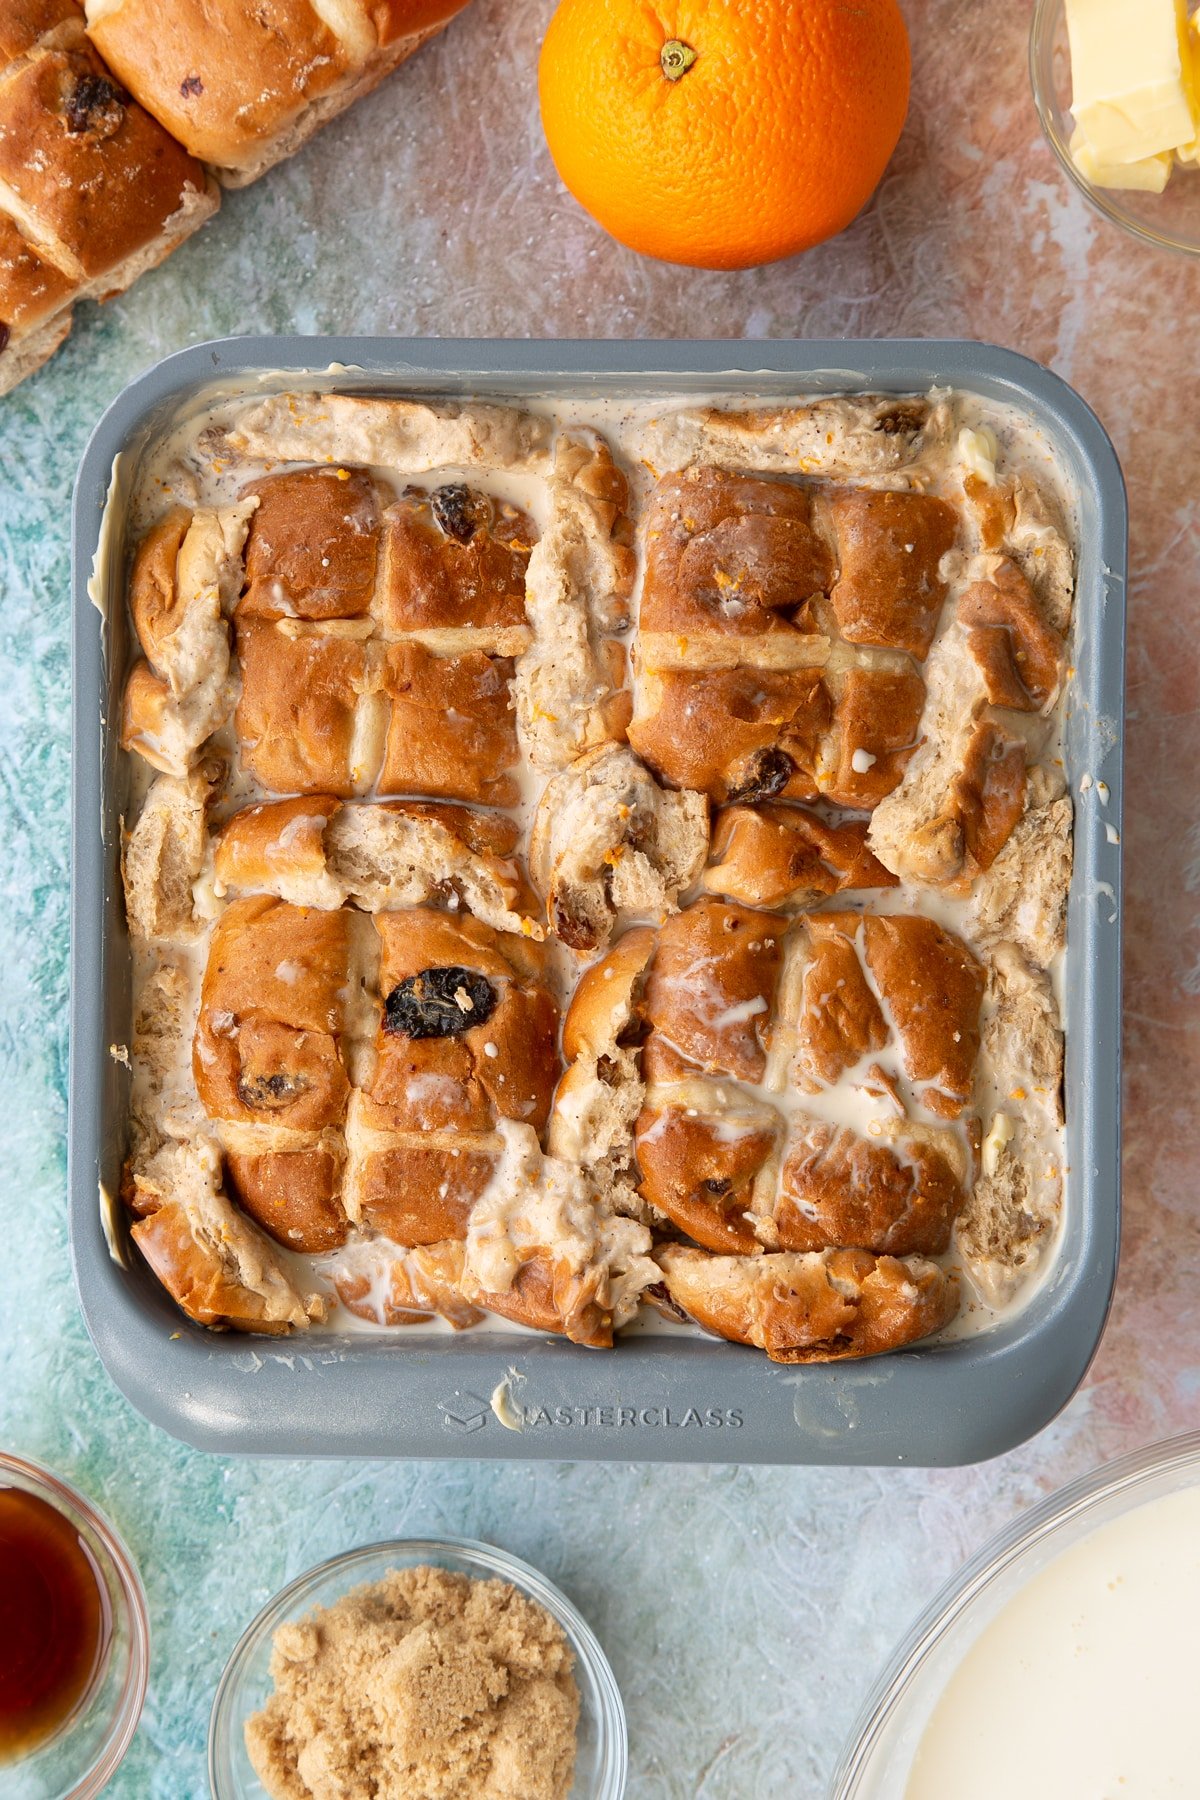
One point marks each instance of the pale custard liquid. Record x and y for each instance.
(1087, 1685)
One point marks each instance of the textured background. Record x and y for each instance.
(745, 1611)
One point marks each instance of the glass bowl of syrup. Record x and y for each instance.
(74, 1640)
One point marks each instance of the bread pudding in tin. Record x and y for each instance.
(599, 867)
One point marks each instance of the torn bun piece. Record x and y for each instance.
(384, 1286)
(216, 1266)
(1022, 898)
(1014, 1209)
(313, 545)
(776, 855)
(600, 1095)
(319, 851)
(608, 841)
(409, 437)
(268, 1063)
(92, 190)
(466, 1036)
(455, 560)
(570, 686)
(702, 1149)
(451, 729)
(243, 87)
(163, 858)
(186, 575)
(1019, 653)
(993, 676)
(35, 311)
(837, 438)
(376, 640)
(701, 1141)
(736, 734)
(544, 1249)
(829, 1306)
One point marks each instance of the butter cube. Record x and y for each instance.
(1132, 74)
(1150, 173)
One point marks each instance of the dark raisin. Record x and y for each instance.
(459, 512)
(717, 1186)
(905, 416)
(770, 772)
(268, 1092)
(94, 104)
(573, 928)
(659, 1295)
(191, 84)
(5, 334)
(439, 1003)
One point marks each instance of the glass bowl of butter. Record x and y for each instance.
(1060, 1660)
(1117, 88)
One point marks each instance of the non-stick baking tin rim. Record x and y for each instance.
(657, 1398)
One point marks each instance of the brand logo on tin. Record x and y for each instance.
(466, 1412)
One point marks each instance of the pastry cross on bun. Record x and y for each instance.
(750, 1021)
(780, 633)
(269, 1063)
(376, 640)
(466, 1036)
(244, 86)
(825, 1307)
(92, 190)
(354, 1067)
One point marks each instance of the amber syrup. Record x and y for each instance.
(55, 1622)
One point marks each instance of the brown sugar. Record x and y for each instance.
(426, 1685)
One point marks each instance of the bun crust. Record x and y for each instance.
(828, 1307)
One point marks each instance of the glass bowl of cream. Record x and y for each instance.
(1061, 1660)
(1170, 219)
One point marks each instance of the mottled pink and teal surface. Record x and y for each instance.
(745, 1611)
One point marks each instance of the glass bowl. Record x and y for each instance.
(603, 1752)
(79, 1760)
(1170, 220)
(879, 1761)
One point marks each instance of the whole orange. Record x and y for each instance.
(724, 133)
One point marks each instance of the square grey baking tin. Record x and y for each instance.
(661, 1398)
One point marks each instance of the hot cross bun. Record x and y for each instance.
(780, 635)
(376, 640)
